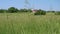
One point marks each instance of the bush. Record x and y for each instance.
(23, 10)
(12, 10)
(40, 12)
(3, 10)
(50, 11)
(29, 10)
(57, 13)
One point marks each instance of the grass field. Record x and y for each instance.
(24, 23)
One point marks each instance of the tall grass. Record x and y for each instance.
(24, 23)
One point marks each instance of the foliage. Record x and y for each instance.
(3, 10)
(29, 24)
(40, 12)
(29, 10)
(57, 13)
(23, 10)
(50, 11)
(12, 10)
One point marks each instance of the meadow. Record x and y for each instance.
(25, 23)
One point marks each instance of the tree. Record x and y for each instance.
(57, 13)
(3, 10)
(40, 12)
(50, 11)
(23, 10)
(29, 10)
(12, 10)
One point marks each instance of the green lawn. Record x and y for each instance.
(26, 23)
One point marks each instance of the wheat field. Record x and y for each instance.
(24, 23)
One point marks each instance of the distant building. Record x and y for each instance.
(34, 10)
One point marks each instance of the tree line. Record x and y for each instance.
(39, 12)
(14, 10)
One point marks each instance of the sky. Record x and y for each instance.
(35, 4)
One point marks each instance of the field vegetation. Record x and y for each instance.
(25, 22)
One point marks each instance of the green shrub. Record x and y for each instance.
(23, 10)
(12, 10)
(50, 11)
(29, 10)
(57, 13)
(40, 12)
(3, 10)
